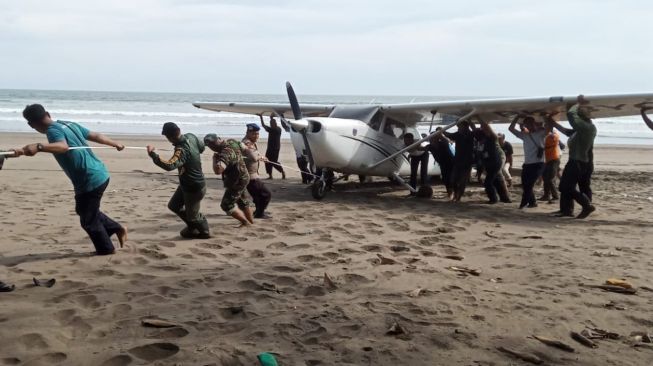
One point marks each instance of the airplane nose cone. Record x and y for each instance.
(299, 125)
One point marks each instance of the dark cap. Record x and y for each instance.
(253, 127)
(170, 129)
(211, 138)
(34, 113)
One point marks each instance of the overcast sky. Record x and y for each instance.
(375, 47)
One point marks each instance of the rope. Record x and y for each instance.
(6, 153)
(295, 169)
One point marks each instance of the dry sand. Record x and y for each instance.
(257, 289)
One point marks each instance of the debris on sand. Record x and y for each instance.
(521, 355)
(491, 234)
(386, 260)
(583, 340)
(618, 282)
(415, 293)
(44, 283)
(555, 343)
(328, 283)
(454, 257)
(396, 329)
(465, 271)
(611, 288)
(157, 323)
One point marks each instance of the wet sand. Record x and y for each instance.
(262, 289)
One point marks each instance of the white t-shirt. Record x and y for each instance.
(533, 141)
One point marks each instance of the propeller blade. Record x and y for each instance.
(294, 103)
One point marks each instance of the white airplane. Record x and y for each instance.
(367, 140)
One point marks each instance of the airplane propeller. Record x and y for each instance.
(299, 124)
(294, 103)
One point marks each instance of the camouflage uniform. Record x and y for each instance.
(235, 176)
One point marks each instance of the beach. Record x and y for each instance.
(410, 281)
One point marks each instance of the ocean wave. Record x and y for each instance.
(91, 112)
(214, 121)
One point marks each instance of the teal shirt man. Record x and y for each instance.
(88, 174)
(83, 168)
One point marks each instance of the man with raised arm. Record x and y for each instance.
(440, 148)
(579, 168)
(533, 138)
(273, 148)
(186, 200)
(463, 159)
(90, 178)
(493, 158)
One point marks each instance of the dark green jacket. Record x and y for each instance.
(580, 143)
(187, 158)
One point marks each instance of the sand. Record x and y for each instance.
(262, 289)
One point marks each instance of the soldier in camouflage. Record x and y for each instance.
(228, 161)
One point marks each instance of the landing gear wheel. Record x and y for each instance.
(319, 189)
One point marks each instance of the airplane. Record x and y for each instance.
(367, 140)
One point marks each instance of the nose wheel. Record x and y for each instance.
(319, 189)
(321, 186)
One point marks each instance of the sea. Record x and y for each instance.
(143, 113)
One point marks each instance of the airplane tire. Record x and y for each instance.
(319, 189)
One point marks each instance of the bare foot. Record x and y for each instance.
(242, 225)
(122, 236)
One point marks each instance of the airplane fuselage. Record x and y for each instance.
(350, 146)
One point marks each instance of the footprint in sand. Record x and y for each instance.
(33, 341)
(10, 361)
(210, 246)
(152, 254)
(308, 258)
(120, 360)
(277, 245)
(48, 359)
(202, 253)
(353, 278)
(176, 332)
(287, 269)
(374, 248)
(315, 291)
(331, 255)
(256, 254)
(88, 301)
(155, 351)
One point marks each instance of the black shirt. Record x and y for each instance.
(464, 146)
(507, 148)
(274, 138)
(441, 152)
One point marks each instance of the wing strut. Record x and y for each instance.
(433, 112)
(647, 120)
(418, 142)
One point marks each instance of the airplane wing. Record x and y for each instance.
(495, 110)
(503, 110)
(266, 109)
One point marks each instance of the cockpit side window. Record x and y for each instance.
(394, 128)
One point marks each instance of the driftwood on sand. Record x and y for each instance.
(528, 357)
(555, 343)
